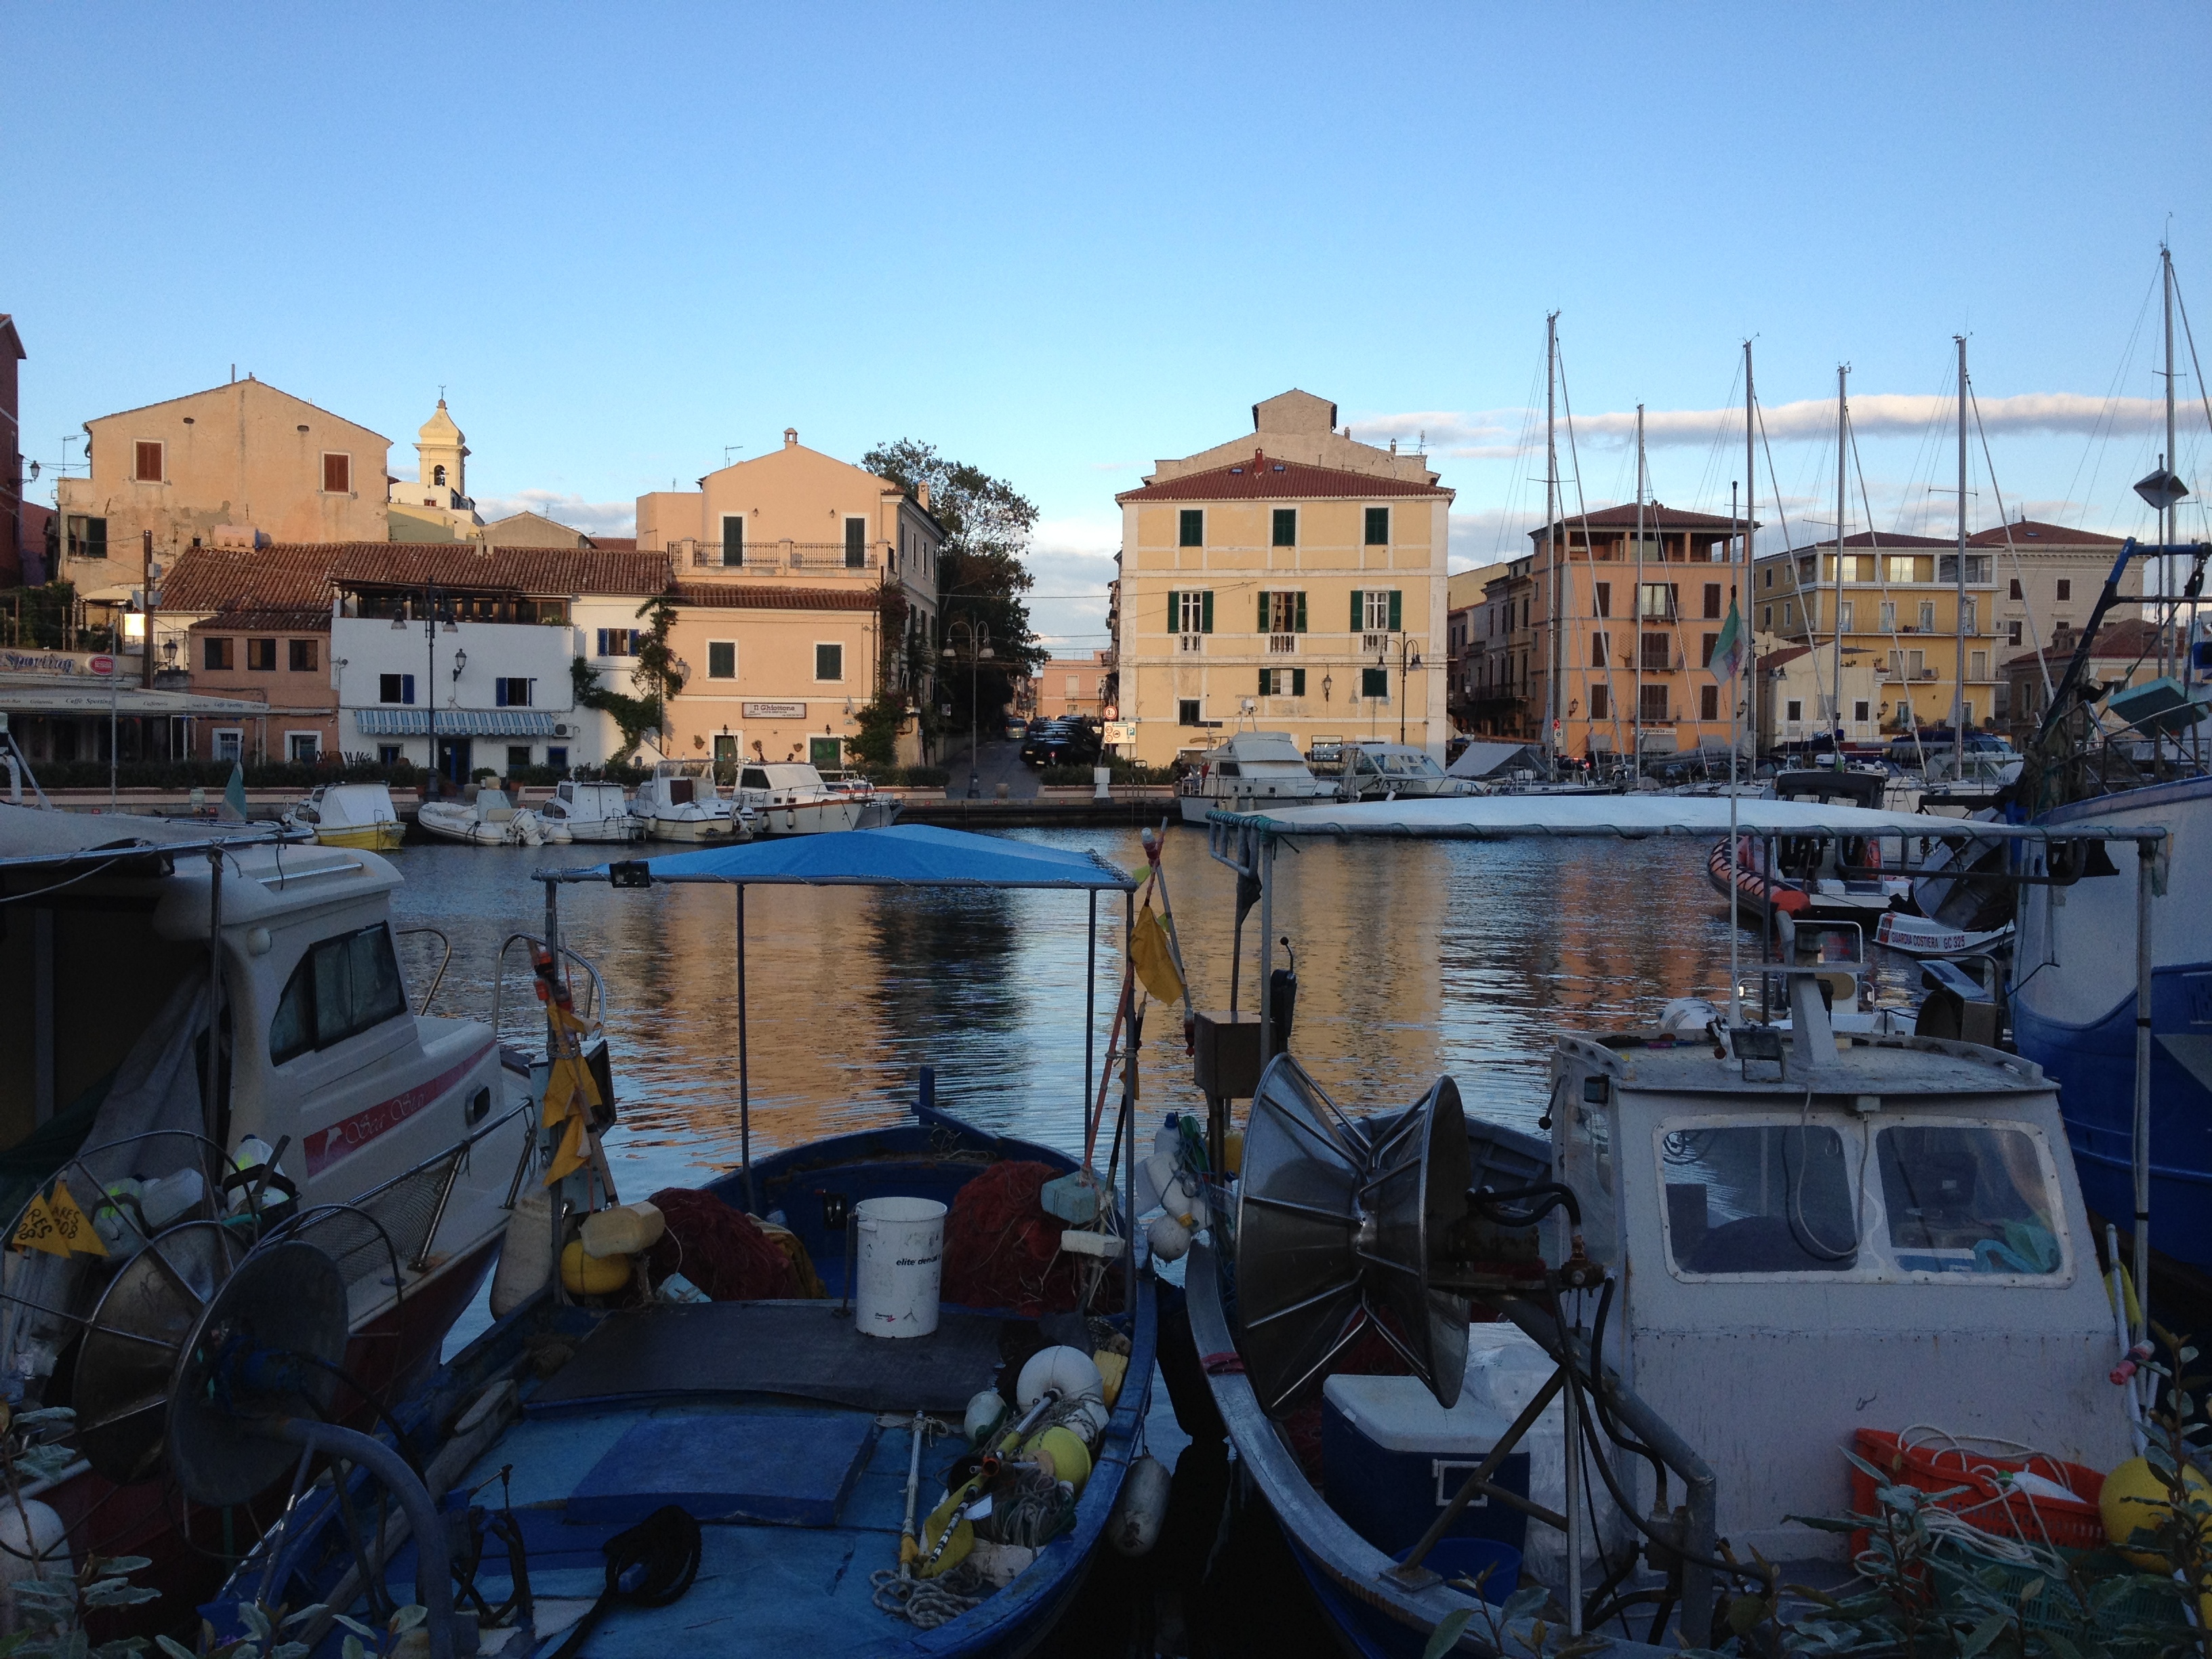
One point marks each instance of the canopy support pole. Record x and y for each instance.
(1089, 1001)
(1267, 948)
(2146, 864)
(1130, 991)
(744, 1068)
(556, 1195)
(210, 1106)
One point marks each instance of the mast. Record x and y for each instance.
(1843, 442)
(1551, 533)
(1959, 616)
(2169, 517)
(1750, 494)
(1635, 610)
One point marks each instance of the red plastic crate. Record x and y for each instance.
(1930, 1468)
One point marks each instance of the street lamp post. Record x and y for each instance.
(431, 596)
(1408, 660)
(979, 647)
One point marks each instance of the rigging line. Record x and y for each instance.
(1589, 550)
(2188, 334)
(2042, 665)
(1881, 572)
(2100, 434)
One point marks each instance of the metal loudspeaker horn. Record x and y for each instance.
(1337, 1225)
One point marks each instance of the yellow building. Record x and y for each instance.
(1898, 610)
(1295, 578)
(242, 465)
(803, 584)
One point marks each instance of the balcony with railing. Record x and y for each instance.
(1282, 644)
(782, 558)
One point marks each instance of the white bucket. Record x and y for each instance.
(901, 1265)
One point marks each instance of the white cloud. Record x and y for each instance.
(1072, 560)
(1497, 434)
(595, 518)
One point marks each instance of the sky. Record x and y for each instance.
(1059, 242)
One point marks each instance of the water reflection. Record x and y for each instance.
(1413, 959)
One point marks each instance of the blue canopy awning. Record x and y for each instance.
(902, 855)
(455, 722)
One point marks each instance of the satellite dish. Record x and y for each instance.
(131, 1345)
(263, 1349)
(1336, 1225)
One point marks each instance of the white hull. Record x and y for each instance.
(468, 831)
(815, 817)
(695, 826)
(1918, 936)
(601, 830)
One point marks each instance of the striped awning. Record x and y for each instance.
(455, 722)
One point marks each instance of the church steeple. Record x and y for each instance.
(442, 456)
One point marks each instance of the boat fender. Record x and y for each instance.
(33, 1545)
(1000, 1564)
(1155, 1175)
(1112, 1369)
(1069, 1371)
(1060, 1453)
(1082, 1241)
(1141, 1508)
(592, 1275)
(985, 1413)
(625, 1230)
(525, 1256)
(1168, 1237)
(2135, 1500)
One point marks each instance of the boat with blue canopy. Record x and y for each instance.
(877, 1393)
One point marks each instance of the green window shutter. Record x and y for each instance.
(1396, 595)
(1298, 681)
(1264, 617)
(1359, 609)
(1265, 675)
(1302, 611)
(1174, 612)
(1205, 611)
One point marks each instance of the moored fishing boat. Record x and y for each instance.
(349, 814)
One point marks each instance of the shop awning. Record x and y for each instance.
(455, 722)
(79, 694)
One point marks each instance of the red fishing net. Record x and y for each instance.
(721, 1251)
(1000, 1247)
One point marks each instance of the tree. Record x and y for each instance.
(981, 572)
(655, 678)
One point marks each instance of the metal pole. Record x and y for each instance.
(1750, 498)
(1572, 1424)
(1836, 682)
(1089, 1001)
(1551, 527)
(210, 1107)
(430, 685)
(556, 1206)
(1636, 611)
(2146, 860)
(744, 1067)
(146, 608)
(1266, 947)
(2169, 520)
(1735, 943)
(1959, 616)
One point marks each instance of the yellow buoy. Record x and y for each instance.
(1063, 1449)
(2134, 1499)
(585, 1274)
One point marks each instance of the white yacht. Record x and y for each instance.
(679, 802)
(790, 798)
(1394, 771)
(591, 811)
(1249, 766)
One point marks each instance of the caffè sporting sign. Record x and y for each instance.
(70, 664)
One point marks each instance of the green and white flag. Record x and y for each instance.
(1728, 649)
(234, 795)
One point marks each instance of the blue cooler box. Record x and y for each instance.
(1392, 1458)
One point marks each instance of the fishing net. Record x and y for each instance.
(1002, 1249)
(721, 1251)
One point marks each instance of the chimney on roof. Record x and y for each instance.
(791, 437)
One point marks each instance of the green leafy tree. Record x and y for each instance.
(655, 679)
(982, 572)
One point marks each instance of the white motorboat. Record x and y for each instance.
(789, 798)
(679, 802)
(340, 1113)
(591, 811)
(1394, 771)
(1249, 768)
(486, 819)
(349, 814)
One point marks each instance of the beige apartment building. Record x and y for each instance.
(242, 464)
(1294, 579)
(1899, 609)
(804, 584)
(1067, 686)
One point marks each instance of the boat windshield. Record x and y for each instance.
(1908, 1202)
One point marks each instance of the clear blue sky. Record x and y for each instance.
(1059, 243)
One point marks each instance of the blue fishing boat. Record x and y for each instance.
(652, 1473)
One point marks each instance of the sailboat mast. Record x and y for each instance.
(1959, 616)
(1636, 608)
(1843, 445)
(1750, 495)
(1551, 532)
(2169, 518)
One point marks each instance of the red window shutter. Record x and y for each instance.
(337, 475)
(149, 467)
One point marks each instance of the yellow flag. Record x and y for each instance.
(75, 1230)
(575, 1151)
(568, 1020)
(1155, 958)
(39, 1231)
(560, 1093)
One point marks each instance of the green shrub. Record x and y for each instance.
(1123, 772)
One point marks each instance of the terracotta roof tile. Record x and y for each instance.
(1880, 541)
(1656, 516)
(2128, 639)
(289, 619)
(744, 596)
(2035, 532)
(303, 572)
(1263, 479)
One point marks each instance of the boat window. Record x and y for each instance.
(342, 988)
(1229, 769)
(1965, 1199)
(679, 792)
(1764, 1199)
(754, 777)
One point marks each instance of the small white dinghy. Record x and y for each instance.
(487, 818)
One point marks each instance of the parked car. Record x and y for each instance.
(1061, 743)
(1017, 730)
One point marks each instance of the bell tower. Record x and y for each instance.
(443, 455)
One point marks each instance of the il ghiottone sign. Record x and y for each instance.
(87, 664)
(775, 711)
